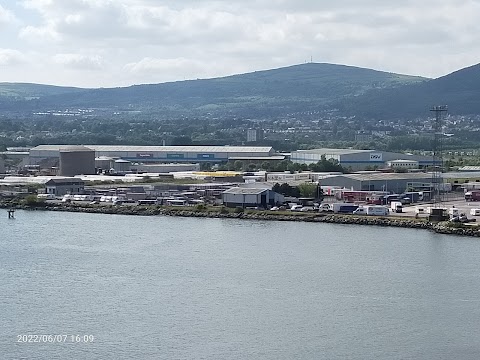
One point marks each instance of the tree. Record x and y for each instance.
(286, 190)
(251, 167)
(238, 165)
(182, 141)
(308, 190)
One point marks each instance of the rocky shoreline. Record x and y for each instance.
(441, 228)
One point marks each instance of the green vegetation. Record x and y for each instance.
(291, 89)
(33, 200)
(307, 190)
(200, 207)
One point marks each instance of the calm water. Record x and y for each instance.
(184, 288)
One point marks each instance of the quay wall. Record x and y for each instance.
(441, 227)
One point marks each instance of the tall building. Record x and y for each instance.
(254, 135)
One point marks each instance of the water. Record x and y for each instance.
(186, 288)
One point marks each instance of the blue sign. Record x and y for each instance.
(175, 156)
(205, 156)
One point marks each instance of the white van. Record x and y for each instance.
(475, 212)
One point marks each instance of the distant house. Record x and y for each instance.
(250, 197)
(63, 186)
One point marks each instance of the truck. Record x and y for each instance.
(473, 195)
(396, 206)
(344, 208)
(373, 210)
(475, 212)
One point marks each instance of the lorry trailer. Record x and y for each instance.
(344, 208)
(373, 210)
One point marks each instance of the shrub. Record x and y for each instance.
(224, 210)
(200, 207)
(33, 200)
(238, 210)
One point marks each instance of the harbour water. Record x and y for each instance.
(188, 288)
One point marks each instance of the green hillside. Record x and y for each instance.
(25, 91)
(459, 90)
(296, 88)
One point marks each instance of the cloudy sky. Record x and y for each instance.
(106, 43)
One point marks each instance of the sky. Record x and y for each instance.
(110, 43)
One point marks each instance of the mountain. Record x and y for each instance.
(297, 88)
(25, 91)
(459, 90)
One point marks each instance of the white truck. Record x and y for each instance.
(475, 212)
(396, 206)
(374, 210)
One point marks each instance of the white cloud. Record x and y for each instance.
(79, 61)
(188, 39)
(9, 57)
(6, 16)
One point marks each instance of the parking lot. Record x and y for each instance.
(461, 204)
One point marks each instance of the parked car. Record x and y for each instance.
(325, 208)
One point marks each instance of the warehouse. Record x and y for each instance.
(250, 197)
(159, 154)
(63, 186)
(164, 168)
(357, 159)
(376, 181)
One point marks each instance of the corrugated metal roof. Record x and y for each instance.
(469, 168)
(266, 158)
(334, 151)
(75, 148)
(200, 149)
(244, 191)
(385, 176)
(461, 175)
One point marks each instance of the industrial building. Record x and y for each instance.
(76, 160)
(376, 181)
(255, 135)
(104, 162)
(357, 159)
(63, 186)
(158, 154)
(164, 168)
(251, 197)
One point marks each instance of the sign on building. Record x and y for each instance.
(376, 157)
(205, 156)
(175, 156)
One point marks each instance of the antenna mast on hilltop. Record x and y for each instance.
(437, 149)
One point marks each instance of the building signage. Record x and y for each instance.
(376, 156)
(144, 155)
(205, 156)
(175, 156)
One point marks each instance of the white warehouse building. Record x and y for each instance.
(357, 159)
(159, 154)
